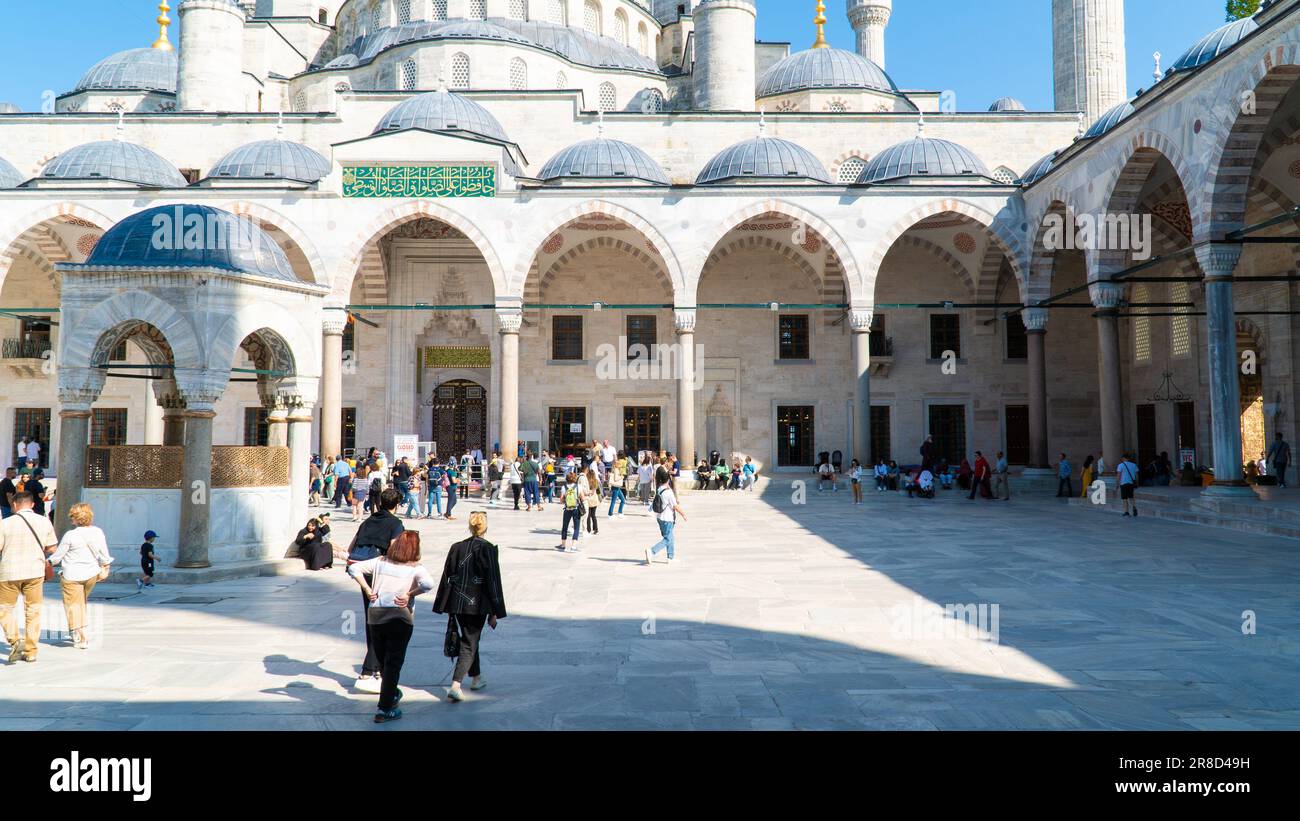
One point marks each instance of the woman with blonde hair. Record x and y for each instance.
(83, 555)
(591, 499)
(471, 595)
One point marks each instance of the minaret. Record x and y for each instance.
(725, 70)
(212, 56)
(1088, 51)
(869, 19)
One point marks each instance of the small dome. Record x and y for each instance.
(764, 158)
(272, 160)
(10, 177)
(824, 68)
(603, 159)
(1039, 169)
(10, 108)
(1007, 104)
(137, 69)
(242, 247)
(923, 157)
(442, 111)
(114, 160)
(1109, 120)
(1215, 43)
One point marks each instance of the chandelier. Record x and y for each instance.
(1169, 391)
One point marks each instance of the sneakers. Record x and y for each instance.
(455, 694)
(139, 584)
(478, 683)
(15, 652)
(385, 716)
(150, 584)
(368, 684)
(649, 557)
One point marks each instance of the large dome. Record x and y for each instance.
(1109, 120)
(923, 157)
(1215, 43)
(603, 159)
(766, 158)
(443, 111)
(114, 160)
(827, 68)
(10, 177)
(137, 69)
(272, 160)
(242, 247)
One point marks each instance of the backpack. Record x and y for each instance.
(658, 504)
(571, 497)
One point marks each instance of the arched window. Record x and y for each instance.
(591, 16)
(323, 17)
(608, 97)
(643, 36)
(518, 10)
(409, 76)
(460, 71)
(1180, 331)
(1141, 324)
(621, 27)
(438, 10)
(1005, 176)
(518, 74)
(561, 80)
(478, 9)
(850, 170)
(558, 13)
(652, 101)
(377, 17)
(403, 11)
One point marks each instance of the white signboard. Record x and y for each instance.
(575, 427)
(408, 446)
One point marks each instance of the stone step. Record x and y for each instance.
(217, 573)
(1162, 507)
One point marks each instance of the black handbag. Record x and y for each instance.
(451, 643)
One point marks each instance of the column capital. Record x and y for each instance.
(510, 320)
(201, 389)
(1035, 319)
(302, 413)
(1106, 295)
(333, 321)
(860, 320)
(80, 387)
(684, 320)
(1218, 261)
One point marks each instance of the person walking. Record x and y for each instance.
(37, 489)
(855, 480)
(514, 481)
(435, 476)
(1128, 481)
(528, 470)
(372, 540)
(591, 498)
(571, 501)
(390, 583)
(617, 495)
(980, 478)
(317, 484)
(1002, 479)
(1089, 473)
(751, 474)
(927, 453)
(83, 555)
(7, 491)
(1064, 488)
(359, 493)
(342, 480)
(644, 476)
(451, 478)
(1279, 457)
(25, 540)
(470, 593)
(666, 510)
(148, 560)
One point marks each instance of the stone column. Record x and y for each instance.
(173, 412)
(1106, 297)
(153, 416)
(331, 383)
(686, 388)
(860, 325)
(1218, 262)
(201, 390)
(510, 321)
(277, 426)
(298, 434)
(78, 389)
(1035, 320)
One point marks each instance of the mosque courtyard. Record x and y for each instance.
(779, 616)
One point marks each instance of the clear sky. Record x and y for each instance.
(980, 49)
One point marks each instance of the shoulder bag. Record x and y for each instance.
(49, 568)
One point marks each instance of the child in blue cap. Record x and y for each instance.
(147, 558)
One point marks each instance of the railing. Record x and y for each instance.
(159, 466)
(24, 348)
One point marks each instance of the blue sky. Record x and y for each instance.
(981, 49)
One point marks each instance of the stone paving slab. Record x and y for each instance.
(778, 617)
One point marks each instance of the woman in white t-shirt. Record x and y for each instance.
(83, 555)
(666, 510)
(644, 475)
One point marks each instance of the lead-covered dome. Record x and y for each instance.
(765, 158)
(191, 236)
(1215, 43)
(923, 157)
(10, 177)
(1003, 104)
(824, 68)
(1109, 120)
(1039, 169)
(603, 159)
(137, 69)
(115, 160)
(272, 160)
(443, 111)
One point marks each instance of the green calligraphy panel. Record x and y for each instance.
(419, 181)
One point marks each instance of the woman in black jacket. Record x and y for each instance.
(470, 592)
(314, 547)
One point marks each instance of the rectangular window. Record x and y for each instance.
(256, 429)
(1146, 435)
(34, 339)
(881, 345)
(348, 441)
(1017, 340)
(948, 427)
(880, 433)
(350, 341)
(945, 335)
(33, 423)
(792, 337)
(641, 429)
(643, 331)
(108, 426)
(566, 338)
(568, 429)
(119, 352)
(795, 431)
(1018, 434)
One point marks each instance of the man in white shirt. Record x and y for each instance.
(21, 452)
(34, 452)
(826, 473)
(25, 540)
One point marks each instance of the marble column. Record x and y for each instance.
(860, 326)
(196, 487)
(331, 382)
(173, 412)
(1106, 297)
(78, 389)
(684, 319)
(277, 427)
(1218, 262)
(153, 416)
(510, 322)
(298, 434)
(1035, 320)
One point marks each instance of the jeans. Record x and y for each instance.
(6, 512)
(341, 487)
(616, 494)
(976, 484)
(471, 631)
(574, 516)
(390, 639)
(666, 531)
(531, 494)
(435, 500)
(451, 499)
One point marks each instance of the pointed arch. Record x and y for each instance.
(78, 343)
(299, 237)
(12, 236)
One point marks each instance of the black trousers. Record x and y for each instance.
(592, 527)
(390, 641)
(976, 484)
(1064, 487)
(370, 666)
(471, 630)
(515, 490)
